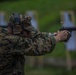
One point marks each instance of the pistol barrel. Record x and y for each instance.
(68, 28)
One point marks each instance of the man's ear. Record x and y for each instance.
(9, 29)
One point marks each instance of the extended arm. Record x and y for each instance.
(42, 43)
(39, 43)
(27, 40)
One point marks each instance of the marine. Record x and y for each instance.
(22, 39)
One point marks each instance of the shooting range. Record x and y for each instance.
(47, 16)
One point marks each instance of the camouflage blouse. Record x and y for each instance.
(13, 48)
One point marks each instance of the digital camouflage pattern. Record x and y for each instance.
(22, 40)
(13, 49)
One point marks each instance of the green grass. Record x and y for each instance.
(48, 71)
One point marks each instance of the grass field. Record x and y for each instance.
(49, 71)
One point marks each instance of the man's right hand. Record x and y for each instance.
(62, 35)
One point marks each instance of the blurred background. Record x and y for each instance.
(47, 16)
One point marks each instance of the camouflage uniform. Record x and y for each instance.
(13, 48)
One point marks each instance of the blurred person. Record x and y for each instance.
(22, 39)
(70, 45)
(2, 19)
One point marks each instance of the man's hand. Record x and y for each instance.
(61, 36)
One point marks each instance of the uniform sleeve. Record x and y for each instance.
(40, 44)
